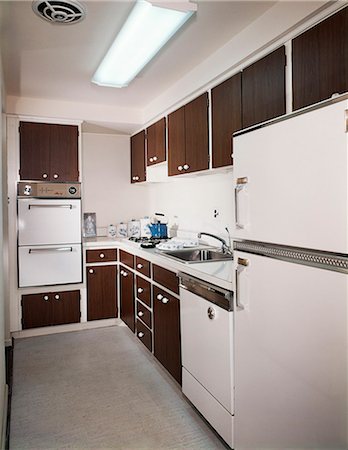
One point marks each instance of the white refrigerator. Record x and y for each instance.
(291, 265)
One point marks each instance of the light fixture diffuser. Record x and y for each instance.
(147, 29)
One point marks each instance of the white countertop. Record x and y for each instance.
(219, 273)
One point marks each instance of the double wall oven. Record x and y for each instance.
(49, 234)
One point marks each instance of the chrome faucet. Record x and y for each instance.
(225, 248)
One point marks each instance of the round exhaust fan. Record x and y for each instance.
(64, 12)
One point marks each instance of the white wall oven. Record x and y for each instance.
(49, 234)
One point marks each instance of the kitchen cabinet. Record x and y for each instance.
(48, 152)
(143, 266)
(144, 335)
(143, 290)
(51, 308)
(167, 347)
(320, 61)
(127, 307)
(156, 142)
(138, 164)
(101, 292)
(101, 255)
(166, 278)
(188, 149)
(226, 108)
(263, 89)
(144, 314)
(127, 258)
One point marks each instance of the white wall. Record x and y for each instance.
(106, 180)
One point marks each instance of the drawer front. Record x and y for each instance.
(101, 255)
(142, 266)
(144, 314)
(127, 259)
(166, 278)
(144, 335)
(143, 291)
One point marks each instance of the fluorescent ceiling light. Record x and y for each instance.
(146, 30)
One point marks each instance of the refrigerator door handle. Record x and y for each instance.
(242, 263)
(241, 182)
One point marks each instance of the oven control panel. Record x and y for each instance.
(49, 190)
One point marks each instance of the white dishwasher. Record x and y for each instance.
(207, 351)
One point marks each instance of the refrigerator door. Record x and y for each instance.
(290, 181)
(290, 355)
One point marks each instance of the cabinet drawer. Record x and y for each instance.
(143, 291)
(144, 314)
(127, 259)
(101, 255)
(166, 278)
(144, 335)
(142, 266)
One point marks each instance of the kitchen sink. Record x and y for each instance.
(190, 256)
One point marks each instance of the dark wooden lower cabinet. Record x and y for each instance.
(166, 316)
(51, 308)
(101, 292)
(144, 335)
(127, 298)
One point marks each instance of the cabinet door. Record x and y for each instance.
(226, 104)
(176, 141)
(138, 172)
(64, 153)
(263, 89)
(101, 292)
(166, 310)
(36, 310)
(156, 142)
(127, 297)
(320, 61)
(65, 307)
(34, 143)
(196, 135)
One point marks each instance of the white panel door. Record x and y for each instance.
(293, 181)
(43, 222)
(206, 349)
(49, 265)
(290, 356)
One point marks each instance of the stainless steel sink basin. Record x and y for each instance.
(190, 256)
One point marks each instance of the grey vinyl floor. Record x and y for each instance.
(99, 389)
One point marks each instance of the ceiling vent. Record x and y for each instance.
(60, 12)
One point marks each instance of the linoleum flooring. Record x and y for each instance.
(99, 389)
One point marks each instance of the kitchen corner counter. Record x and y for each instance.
(219, 273)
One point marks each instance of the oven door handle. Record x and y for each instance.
(50, 249)
(70, 206)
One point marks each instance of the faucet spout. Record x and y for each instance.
(224, 247)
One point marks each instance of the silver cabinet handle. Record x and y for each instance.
(241, 182)
(54, 205)
(57, 297)
(186, 167)
(159, 297)
(139, 266)
(211, 313)
(44, 175)
(140, 334)
(242, 264)
(180, 168)
(46, 298)
(50, 250)
(165, 300)
(91, 271)
(55, 176)
(102, 256)
(140, 314)
(140, 290)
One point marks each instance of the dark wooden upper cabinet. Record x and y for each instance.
(156, 142)
(320, 61)
(101, 292)
(263, 89)
(48, 152)
(176, 141)
(226, 106)
(188, 149)
(138, 163)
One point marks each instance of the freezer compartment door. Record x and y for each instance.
(49, 265)
(290, 181)
(44, 222)
(290, 355)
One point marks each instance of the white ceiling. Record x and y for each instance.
(43, 60)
